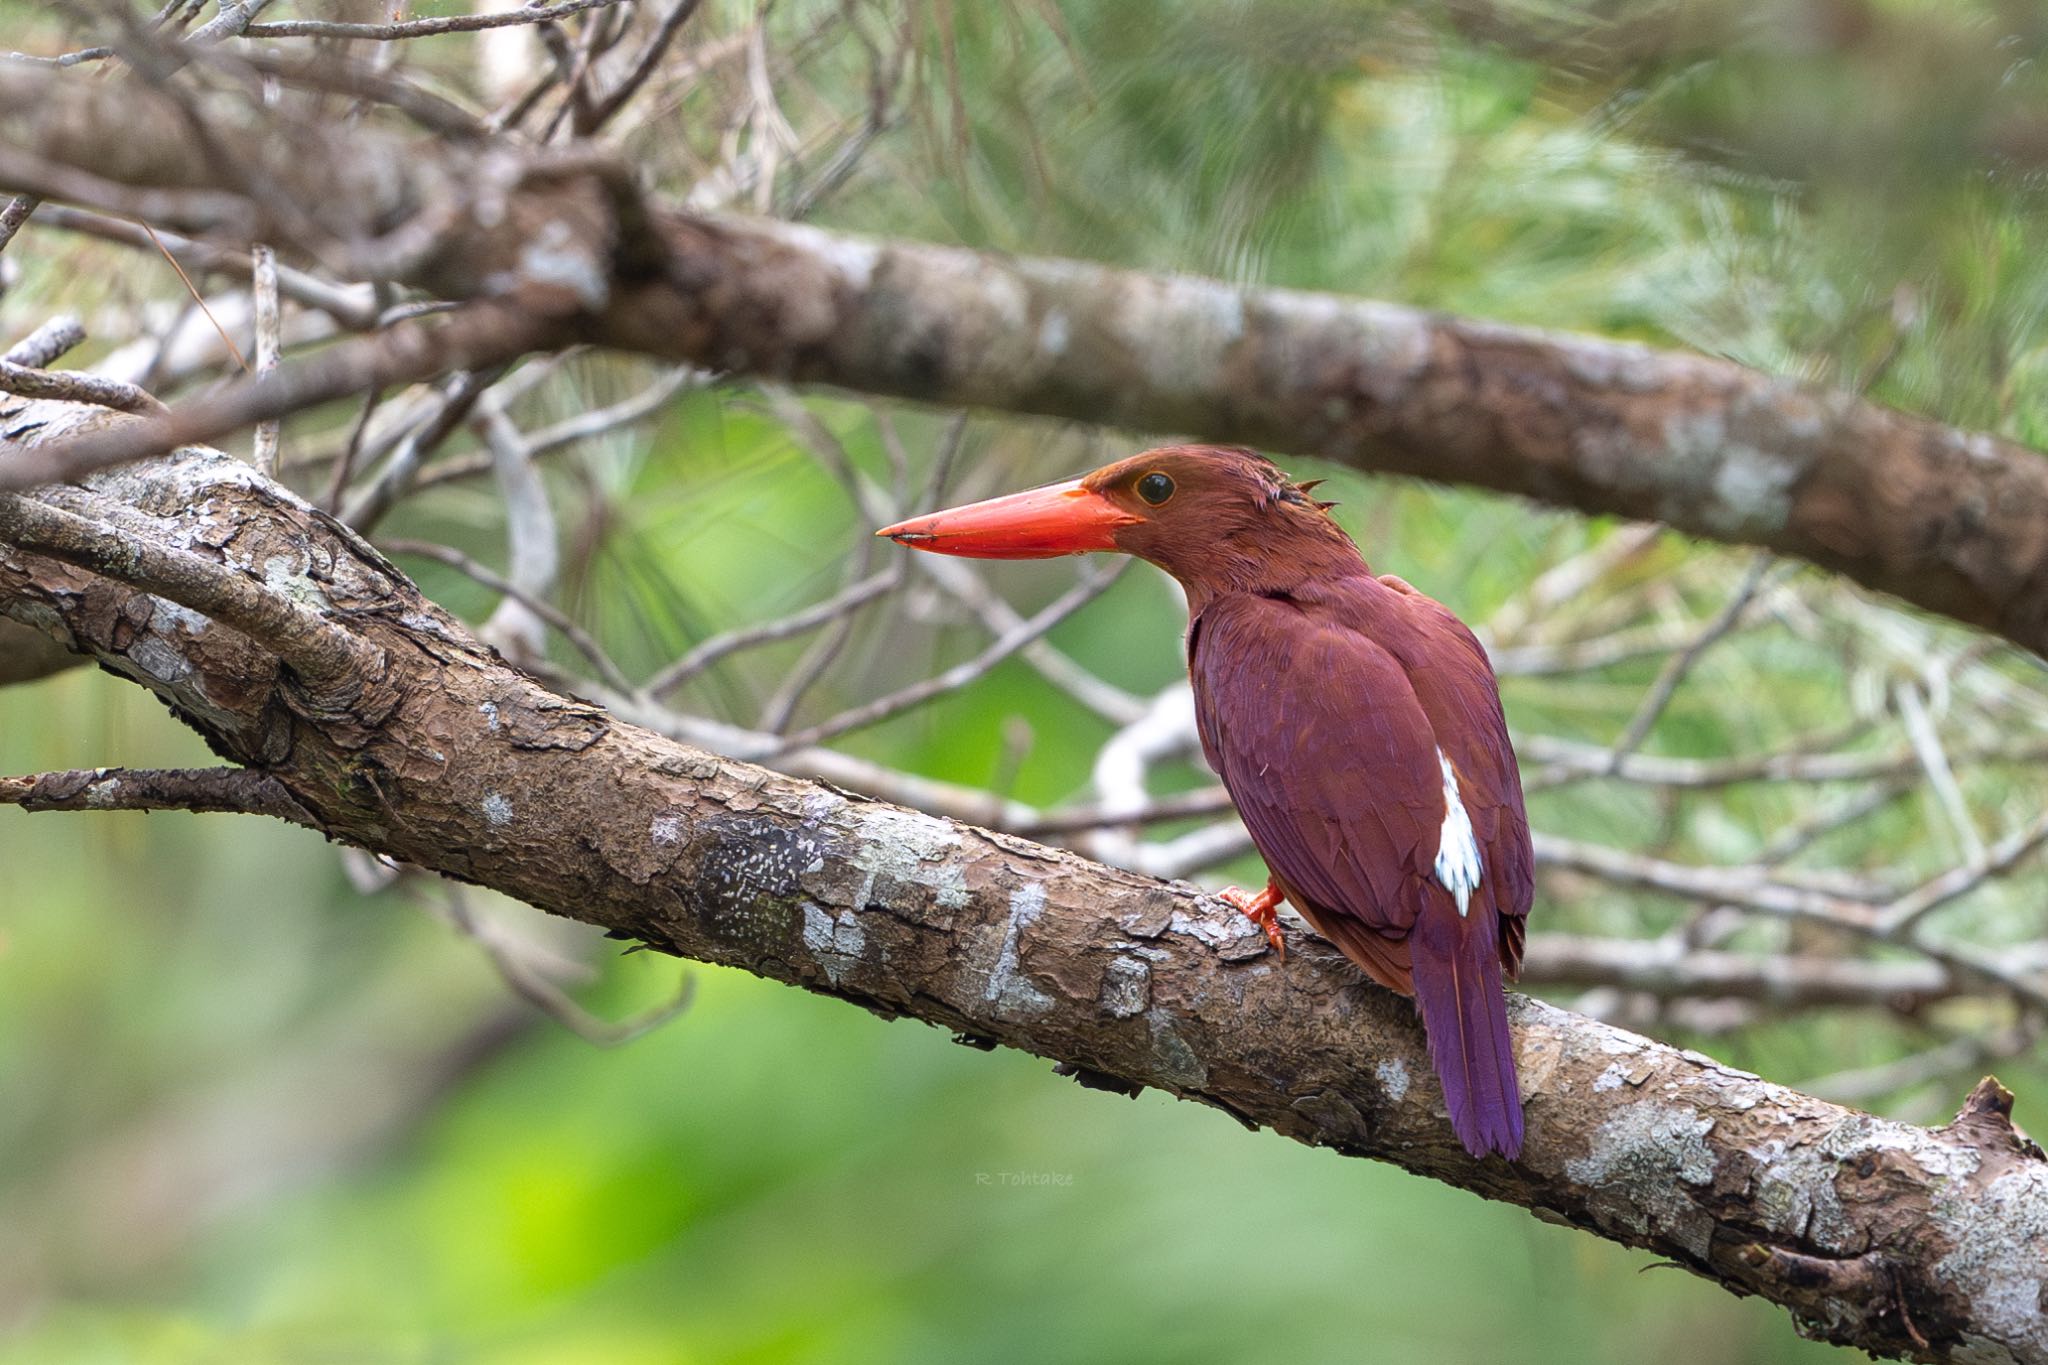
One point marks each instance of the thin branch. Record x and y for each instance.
(76, 57)
(544, 995)
(1941, 777)
(1680, 664)
(220, 790)
(14, 215)
(580, 638)
(352, 307)
(1670, 969)
(583, 426)
(708, 652)
(480, 333)
(430, 111)
(47, 344)
(427, 28)
(76, 386)
(1900, 918)
(263, 283)
(602, 110)
(1092, 585)
(1549, 761)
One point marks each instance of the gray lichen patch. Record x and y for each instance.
(1859, 1134)
(1732, 487)
(836, 942)
(1392, 1075)
(1998, 1237)
(556, 254)
(290, 576)
(1009, 991)
(1794, 1195)
(1637, 1166)
(1213, 923)
(1603, 364)
(908, 864)
(1126, 987)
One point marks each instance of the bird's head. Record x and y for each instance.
(1212, 516)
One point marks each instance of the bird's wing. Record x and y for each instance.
(1454, 682)
(1329, 755)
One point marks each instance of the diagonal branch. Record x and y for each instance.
(1897, 1239)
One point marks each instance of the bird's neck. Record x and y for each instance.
(1273, 569)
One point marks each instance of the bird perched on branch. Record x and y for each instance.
(1355, 722)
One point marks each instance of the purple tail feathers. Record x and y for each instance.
(1458, 991)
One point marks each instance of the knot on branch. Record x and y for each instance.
(1985, 1122)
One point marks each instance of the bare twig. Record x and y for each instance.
(427, 28)
(1900, 918)
(709, 652)
(43, 347)
(1667, 968)
(480, 333)
(76, 386)
(1554, 761)
(1941, 777)
(14, 215)
(263, 283)
(1681, 663)
(581, 639)
(229, 790)
(544, 995)
(604, 108)
(1093, 583)
(351, 306)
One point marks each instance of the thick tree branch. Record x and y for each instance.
(1897, 1239)
(1953, 521)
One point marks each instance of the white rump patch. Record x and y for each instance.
(1457, 850)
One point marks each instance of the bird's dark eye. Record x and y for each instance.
(1155, 488)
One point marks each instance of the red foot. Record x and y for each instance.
(1261, 910)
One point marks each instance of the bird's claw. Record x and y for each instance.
(1262, 910)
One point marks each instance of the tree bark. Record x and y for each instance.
(1931, 1243)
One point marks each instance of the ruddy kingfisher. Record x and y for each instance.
(1355, 722)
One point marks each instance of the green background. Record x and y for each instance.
(249, 1115)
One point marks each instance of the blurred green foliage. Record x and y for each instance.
(249, 1115)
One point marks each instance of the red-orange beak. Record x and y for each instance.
(1059, 519)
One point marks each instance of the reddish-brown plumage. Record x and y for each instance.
(1355, 722)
